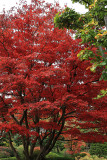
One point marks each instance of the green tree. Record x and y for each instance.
(90, 27)
(99, 149)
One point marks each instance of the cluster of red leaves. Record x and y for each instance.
(73, 146)
(42, 79)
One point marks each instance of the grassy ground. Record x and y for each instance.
(63, 158)
(60, 157)
(55, 156)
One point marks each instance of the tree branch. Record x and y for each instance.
(12, 147)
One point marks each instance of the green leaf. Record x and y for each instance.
(102, 64)
(80, 53)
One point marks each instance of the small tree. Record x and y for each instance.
(73, 145)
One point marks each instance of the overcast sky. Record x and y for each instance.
(7, 4)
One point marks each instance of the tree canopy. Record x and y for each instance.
(90, 27)
(45, 91)
(85, 2)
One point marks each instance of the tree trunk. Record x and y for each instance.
(41, 156)
(27, 157)
(57, 149)
(12, 147)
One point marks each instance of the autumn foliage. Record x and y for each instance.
(45, 91)
(73, 145)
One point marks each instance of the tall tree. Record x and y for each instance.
(90, 28)
(45, 91)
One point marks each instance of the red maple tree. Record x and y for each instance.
(45, 91)
(73, 146)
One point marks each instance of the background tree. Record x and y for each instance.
(73, 145)
(45, 91)
(99, 149)
(90, 28)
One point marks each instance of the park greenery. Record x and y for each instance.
(97, 151)
(91, 27)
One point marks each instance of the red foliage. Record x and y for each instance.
(73, 145)
(43, 84)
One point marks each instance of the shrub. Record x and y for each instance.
(99, 149)
(94, 157)
(20, 151)
(56, 156)
(9, 158)
(3, 140)
(5, 152)
(85, 153)
(82, 154)
(60, 158)
(86, 158)
(52, 155)
(74, 156)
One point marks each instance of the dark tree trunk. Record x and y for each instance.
(27, 157)
(12, 147)
(41, 156)
(57, 149)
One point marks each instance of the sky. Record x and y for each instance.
(7, 4)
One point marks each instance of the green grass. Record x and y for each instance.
(10, 158)
(55, 156)
(58, 157)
